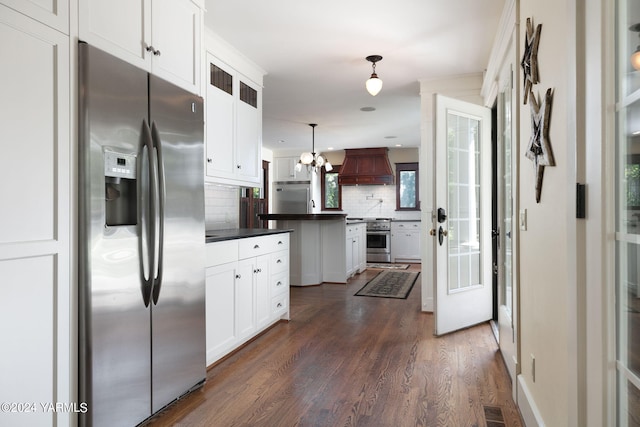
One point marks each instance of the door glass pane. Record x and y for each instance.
(627, 220)
(463, 163)
(506, 202)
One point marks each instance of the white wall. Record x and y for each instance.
(547, 302)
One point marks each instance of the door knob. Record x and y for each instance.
(442, 233)
(432, 232)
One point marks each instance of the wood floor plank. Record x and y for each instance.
(346, 360)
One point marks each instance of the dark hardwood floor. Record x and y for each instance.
(346, 360)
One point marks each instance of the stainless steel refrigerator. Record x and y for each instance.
(292, 197)
(141, 241)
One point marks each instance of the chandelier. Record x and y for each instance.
(312, 160)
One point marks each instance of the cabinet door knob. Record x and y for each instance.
(279, 284)
(256, 247)
(156, 53)
(149, 49)
(238, 167)
(238, 276)
(279, 304)
(279, 261)
(280, 242)
(209, 160)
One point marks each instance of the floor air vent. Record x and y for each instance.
(493, 416)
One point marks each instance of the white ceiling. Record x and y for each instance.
(314, 55)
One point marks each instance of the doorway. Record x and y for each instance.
(255, 201)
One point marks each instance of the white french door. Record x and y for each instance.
(506, 233)
(462, 223)
(627, 218)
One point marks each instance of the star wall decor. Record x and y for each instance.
(539, 148)
(530, 57)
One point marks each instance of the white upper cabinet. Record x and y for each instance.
(233, 125)
(54, 13)
(160, 36)
(285, 169)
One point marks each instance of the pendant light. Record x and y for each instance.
(311, 160)
(374, 84)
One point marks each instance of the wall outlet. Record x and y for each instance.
(523, 219)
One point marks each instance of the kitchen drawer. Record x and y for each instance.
(279, 283)
(222, 252)
(281, 242)
(279, 304)
(279, 262)
(256, 246)
(405, 225)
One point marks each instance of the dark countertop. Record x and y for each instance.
(302, 217)
(240, 233)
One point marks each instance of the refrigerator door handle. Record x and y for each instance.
(148, 215)
(161, 191)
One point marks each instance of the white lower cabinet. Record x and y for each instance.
(247, 290)
(405, 241)
(356, 249)
(221, 289)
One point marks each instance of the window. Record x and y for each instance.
(331, 191)
(407, 192)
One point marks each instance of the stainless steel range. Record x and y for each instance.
(378, 239)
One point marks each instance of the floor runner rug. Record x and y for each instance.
(389, 266)
(390, 284)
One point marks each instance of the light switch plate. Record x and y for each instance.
(523, 219)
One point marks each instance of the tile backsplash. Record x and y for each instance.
(221, 206)
(377, 201)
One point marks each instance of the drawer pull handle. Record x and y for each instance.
(279, 305)
(280, 242)
(279, 284)
(256, 247)
(279, 261)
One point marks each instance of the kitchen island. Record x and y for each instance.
(318, 251)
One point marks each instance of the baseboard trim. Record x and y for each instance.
(527, 406)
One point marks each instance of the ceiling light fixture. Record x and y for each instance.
(635, 56)
(374, 84)
(311, 160)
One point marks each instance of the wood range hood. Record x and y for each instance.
(366, 166)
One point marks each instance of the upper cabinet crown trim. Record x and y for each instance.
(221, 49)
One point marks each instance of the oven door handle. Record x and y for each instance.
(378, 231)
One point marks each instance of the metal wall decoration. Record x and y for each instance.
(530, 58)
(539, 148)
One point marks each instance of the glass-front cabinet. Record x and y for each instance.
(627, 213)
